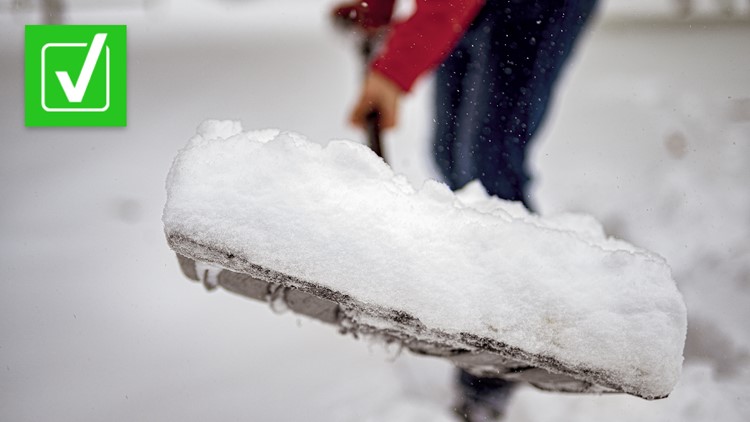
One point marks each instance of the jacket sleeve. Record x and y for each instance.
(422, 42)
(380, 12)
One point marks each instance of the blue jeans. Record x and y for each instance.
(493, 90)
(492, 94)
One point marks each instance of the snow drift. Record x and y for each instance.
(556, 287)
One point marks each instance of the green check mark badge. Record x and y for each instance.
(76, 75)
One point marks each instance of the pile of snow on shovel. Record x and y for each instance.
(461, 262)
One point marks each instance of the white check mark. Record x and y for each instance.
(75, 92)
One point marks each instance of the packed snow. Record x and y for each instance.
(338, 216)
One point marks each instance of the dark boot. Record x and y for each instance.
(482, 399)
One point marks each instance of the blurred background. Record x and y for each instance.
(650, 133)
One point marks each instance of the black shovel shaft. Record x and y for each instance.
(373, 132)
(372, 120)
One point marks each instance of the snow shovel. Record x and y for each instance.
(215, 260)
(275, 218)
(215, 263)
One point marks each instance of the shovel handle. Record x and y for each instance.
(372, 126)
(372, 120)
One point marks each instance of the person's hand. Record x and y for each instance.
(381, 95)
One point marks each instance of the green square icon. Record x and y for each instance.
(76, 75)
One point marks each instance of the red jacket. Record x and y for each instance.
(425, 39)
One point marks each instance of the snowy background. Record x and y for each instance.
(650, 133)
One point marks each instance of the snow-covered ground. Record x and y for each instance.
(651, 134)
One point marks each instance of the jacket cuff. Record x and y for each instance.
(395, 72)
